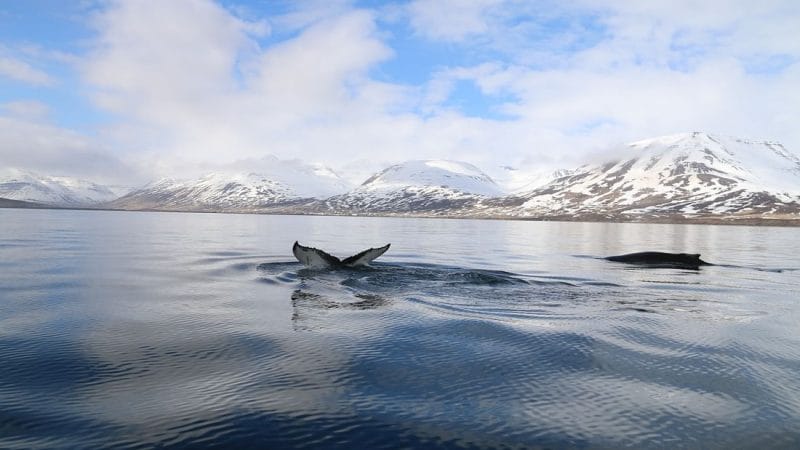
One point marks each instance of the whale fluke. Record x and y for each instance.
(662, 259)
(313, 257)
(317, 259)
(364, 258)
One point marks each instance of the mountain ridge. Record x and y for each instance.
(416, 185)
(687, 176)
(26, 186)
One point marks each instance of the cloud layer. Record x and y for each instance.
(186, 84)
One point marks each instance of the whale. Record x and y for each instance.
(662, 259)
(315, 258)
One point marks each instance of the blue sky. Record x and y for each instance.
(132, 90)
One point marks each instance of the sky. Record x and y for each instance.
(128, 91)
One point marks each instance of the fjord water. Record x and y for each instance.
(141, 330)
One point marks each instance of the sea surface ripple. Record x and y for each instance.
(142, 330)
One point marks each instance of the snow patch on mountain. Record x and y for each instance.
(689, 173)
(286, 182)
(304, 180)
(28, 186)
(537, 179)
(757, 165)
(427, 185)
(448, 175)
(211, 191)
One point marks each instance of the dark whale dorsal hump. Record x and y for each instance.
(661, 259)
(318, 259)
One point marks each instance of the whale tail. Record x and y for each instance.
(365, 257)
(317, 259)
(313, 257)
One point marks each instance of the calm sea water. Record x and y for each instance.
(141, 330)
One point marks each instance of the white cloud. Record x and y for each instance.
(33, 110)
(191, 84)
(647, 68)
(304, 13)
(316, 75)
(189, 76)
(451, 20)
(19, 70)
(553, 34)
(563, 115)
(51, 150)
(172, 54)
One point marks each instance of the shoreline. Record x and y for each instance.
(706, 220)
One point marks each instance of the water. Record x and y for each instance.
(140, 330)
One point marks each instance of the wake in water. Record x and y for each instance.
(494, 295)
(397, 279)
(488, 294)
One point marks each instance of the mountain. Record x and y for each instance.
(680, 176)
(6, 203)
(428, 186)
(51, 190)
(210, 192)
(305, 180)
(287, 183)
(538, 179)
(683, 177)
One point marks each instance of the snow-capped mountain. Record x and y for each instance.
(424, 186)
(305, 180)
(54, 191)
(690, 174)
(523, 179)
(212, 191)
(535, 180)
(236, 191)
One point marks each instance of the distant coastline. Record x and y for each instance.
(674, 220)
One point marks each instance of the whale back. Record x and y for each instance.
(661, 259)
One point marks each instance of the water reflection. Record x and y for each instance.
(157, 330)
(301, 299)
(309, 309)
